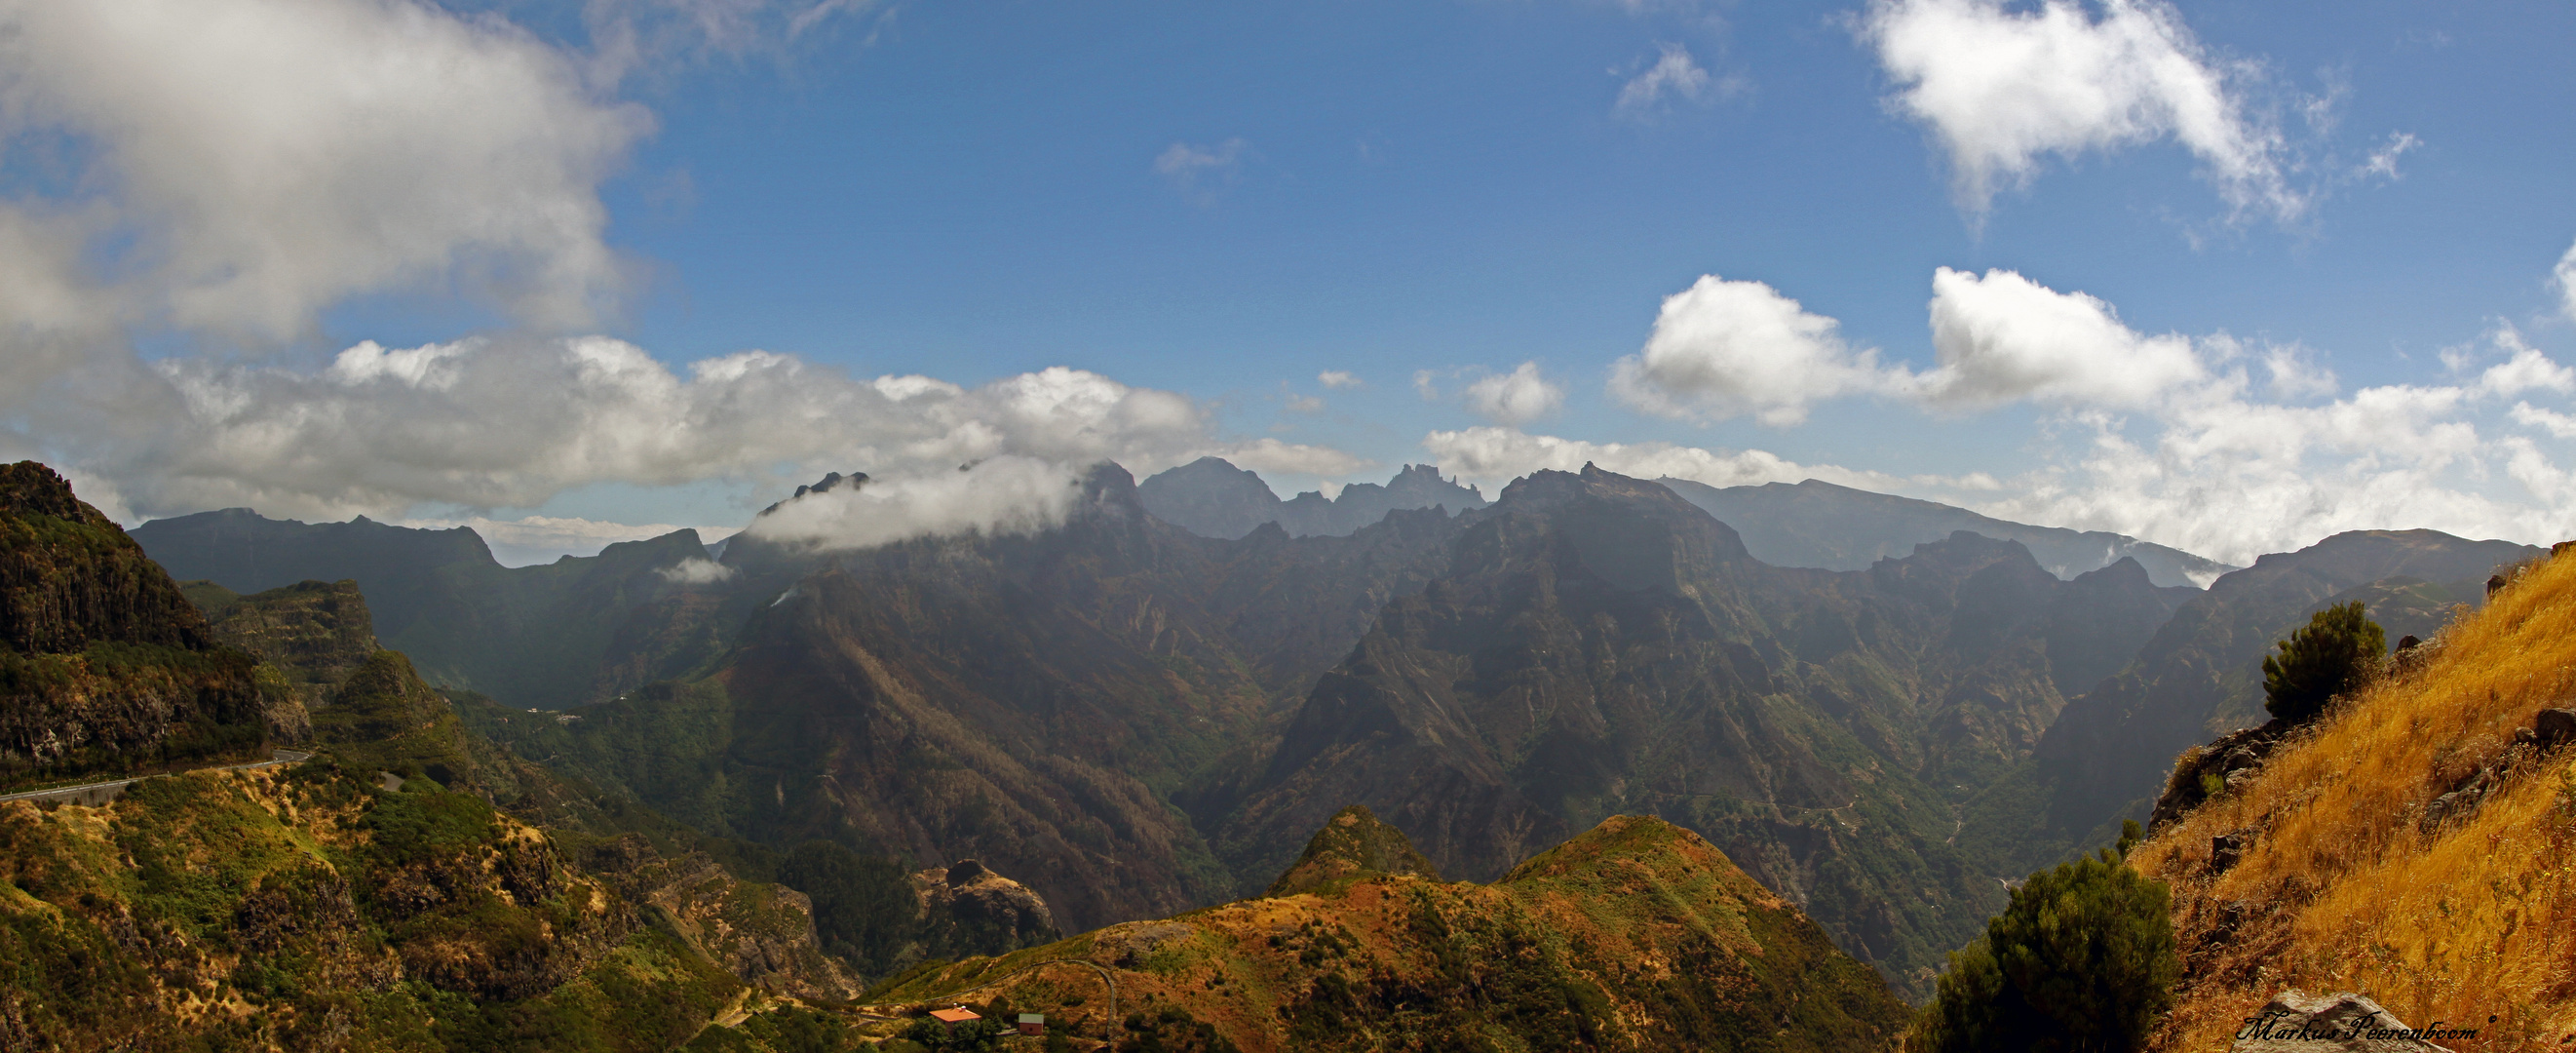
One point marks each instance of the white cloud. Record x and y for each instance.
(493, 423)
(1285, 458)
(2171, 443)
(2558, 424)
(2296, 374)
(1423, 386)
(1515, 398)
(2383, 161)
(1495, 455)
(246, 163)
(1003, 495)
(1189, 166)
(1673, 75)
(1304, 404)
(2004, 338)
(1724, 348)
(2565, 279)
(1337, 380)
(2004, 88)
(696, 570)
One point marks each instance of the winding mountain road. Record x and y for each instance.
(97, 793)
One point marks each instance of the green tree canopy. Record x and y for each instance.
(2330, 656)
(2082, 960)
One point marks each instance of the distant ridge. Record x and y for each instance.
(1211, 497)
(1819, 524)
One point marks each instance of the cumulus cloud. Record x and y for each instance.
(2003, 88)
(1337, 380)
(696, 570)
(1726, 348)
(1674, 75)
(493, 423)
(2004, 338)
(245, 163)
(1004, 495)
(2163, 437)
(1515, 398)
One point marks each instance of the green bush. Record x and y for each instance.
(2329, 657)
(2082, 959)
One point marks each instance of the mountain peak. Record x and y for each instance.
(1354, 843)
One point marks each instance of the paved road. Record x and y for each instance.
(97, 793)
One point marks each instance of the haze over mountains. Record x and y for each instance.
(1137, 718)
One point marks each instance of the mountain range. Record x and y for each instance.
(1137, 718)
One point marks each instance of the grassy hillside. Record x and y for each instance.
(2349, 882)
(1635, 935)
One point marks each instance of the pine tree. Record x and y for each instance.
(2331, 656)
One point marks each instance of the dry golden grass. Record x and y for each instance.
(2342, 890)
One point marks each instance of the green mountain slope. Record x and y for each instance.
(1635, 935)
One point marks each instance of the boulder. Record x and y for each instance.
(2342, 1022)
(2554, 727)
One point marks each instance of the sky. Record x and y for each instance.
(2227, 276)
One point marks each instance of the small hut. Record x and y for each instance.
(1033, 1023)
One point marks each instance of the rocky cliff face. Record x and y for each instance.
(1634, 935)
(104, 665)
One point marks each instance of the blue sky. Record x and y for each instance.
(1203, 208)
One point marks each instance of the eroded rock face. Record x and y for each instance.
(2342, 1022)
(968, 905)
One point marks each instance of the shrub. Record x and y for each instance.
(2329, 657)
(2082, 959)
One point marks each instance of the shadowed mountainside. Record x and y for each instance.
(572, 631)
(1032, 701)
(1819, 524)
(1597, 645)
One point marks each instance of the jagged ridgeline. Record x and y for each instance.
(1136, 719)
(1634, 935)
(104, 665)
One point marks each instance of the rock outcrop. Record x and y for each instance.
(2342, 1022)
(967, 905)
